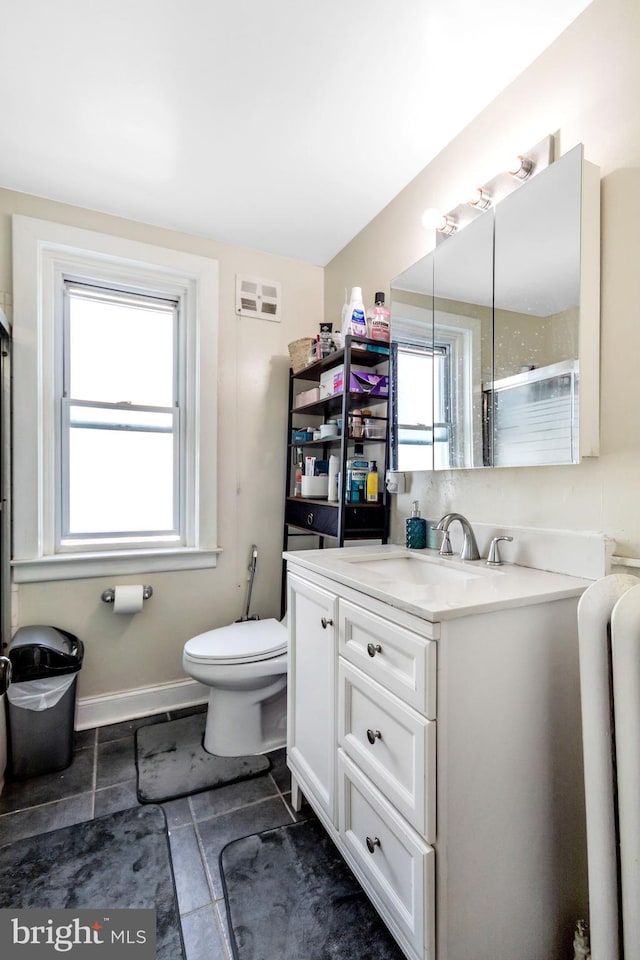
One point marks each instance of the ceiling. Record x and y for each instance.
(279, 125)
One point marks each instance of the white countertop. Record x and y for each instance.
(468, 587)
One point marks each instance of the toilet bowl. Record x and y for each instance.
(245, 667)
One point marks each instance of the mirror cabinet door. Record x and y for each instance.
(533, 399)
(413, 368)
(463, 338)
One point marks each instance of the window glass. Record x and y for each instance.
(120, 417)
(121, 349)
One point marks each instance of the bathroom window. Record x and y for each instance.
(122, 417)
(115, 405)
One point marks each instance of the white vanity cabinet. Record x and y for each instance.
(444, 758)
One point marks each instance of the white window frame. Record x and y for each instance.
(43, 252)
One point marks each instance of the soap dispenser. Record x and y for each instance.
(416, 528)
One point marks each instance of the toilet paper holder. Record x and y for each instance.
(109, 594)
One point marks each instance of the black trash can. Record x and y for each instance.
(42, 698)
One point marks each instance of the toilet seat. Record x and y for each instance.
(244, 642)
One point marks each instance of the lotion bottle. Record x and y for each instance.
(416, 529)
(372, 483)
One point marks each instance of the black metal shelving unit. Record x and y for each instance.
(334, 522)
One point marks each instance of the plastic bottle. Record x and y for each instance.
(416, 529)
(356, 317)
(298, 481)
(372, 483)
(357, 470)
(380, 323)
(334, 463)
(345, 313)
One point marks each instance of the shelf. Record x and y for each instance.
(379, 353)
(337, 520)
(337, 441)
(334, 404)
(335, 503)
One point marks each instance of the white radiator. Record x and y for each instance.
(609, 631)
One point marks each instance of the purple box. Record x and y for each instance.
(363, 381)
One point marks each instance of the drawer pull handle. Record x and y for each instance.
(373, 648)
(373, 735)
(372, 843)
(310, 519)
(326, 622)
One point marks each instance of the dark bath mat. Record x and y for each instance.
(290, 895)
(119, 861)
(171, 761)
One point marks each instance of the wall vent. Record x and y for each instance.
(258, 298)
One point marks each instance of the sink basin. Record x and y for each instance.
(413, 569)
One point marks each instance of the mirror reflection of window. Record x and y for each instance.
(423, 372)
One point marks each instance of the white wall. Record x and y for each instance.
(585, 89)
(124, 653)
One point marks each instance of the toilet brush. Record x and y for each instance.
(252, 572)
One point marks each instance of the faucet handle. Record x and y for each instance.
(494, 557)
(445, 547)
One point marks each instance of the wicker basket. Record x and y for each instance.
(299, 352)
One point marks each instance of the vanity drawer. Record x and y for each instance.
(393, 863)
(399, 659)
(391, 743)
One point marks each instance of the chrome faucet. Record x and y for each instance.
(469, 546)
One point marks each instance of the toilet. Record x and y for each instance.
(245, 667)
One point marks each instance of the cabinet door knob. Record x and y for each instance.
(373, 648)
(373, 735)
(326, 622)
(372, 843)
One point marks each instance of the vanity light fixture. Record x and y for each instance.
(447, 225)
(521, 167)
(480, 199)
(443, 223)
(512, 175)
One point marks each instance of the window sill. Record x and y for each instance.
(80, 566)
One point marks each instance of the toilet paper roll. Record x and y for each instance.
(128, 599)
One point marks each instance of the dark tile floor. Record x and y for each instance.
(102, 779)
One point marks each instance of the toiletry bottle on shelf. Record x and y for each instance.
(297, 492)
(372, 483)
(380, 323)
(416, 529)
(356, 317)
(345, 313)
(357, 470)
(334, 464)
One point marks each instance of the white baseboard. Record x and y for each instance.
(129, 704)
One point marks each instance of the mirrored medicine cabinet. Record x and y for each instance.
(496, 333)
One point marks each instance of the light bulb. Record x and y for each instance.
(431, 218)
(520, 167)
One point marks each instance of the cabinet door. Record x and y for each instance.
(311, 727)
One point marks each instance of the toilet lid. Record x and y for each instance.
(251, 640)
